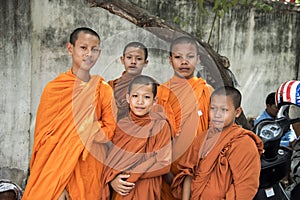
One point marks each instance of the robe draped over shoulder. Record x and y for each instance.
(230, 170)
(142, 148)
(73, 124)
(186, 103)
(120, 88)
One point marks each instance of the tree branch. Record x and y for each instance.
(210, 59)
(165, 31)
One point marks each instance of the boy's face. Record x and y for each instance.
(85, 52)
(141, 99)
(134, 60)
(222, 112)
(184, 60)
(272, 110)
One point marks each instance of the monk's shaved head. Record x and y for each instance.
(144, 80)
(232, 92)
(74, 34)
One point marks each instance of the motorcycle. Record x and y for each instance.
(276, 159)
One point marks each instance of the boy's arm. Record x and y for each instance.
(104, 111)
(120, 185)
(168, 100)
(244, 160)
(143, 170)
(159, 161)
(117, 180)
(186, 189)
(187, 164)
(64, 195)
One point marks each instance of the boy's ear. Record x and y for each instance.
(198, 60)
(154, 100)
(69, 48)
(122, 60)
(238, 112)
(170, 60)
(146, 62)
(127, 98)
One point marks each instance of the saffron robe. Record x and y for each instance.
(120, 88)
(228, 170)
(186, 103)
(73, 124)
(142, 148)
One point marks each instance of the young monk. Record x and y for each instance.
(74, 121)
(224, 163)
(185, 99)
(134, 60)
(141, 150)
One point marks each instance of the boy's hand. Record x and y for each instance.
(120, 185)
(64, 195)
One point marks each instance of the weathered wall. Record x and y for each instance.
(15, 88)
(261, 48)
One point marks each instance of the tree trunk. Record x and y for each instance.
(216, 73)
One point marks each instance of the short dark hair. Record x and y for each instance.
(271, 98)
(137, 45)
(234, 93)
(74, 34)
(184, 40)
(144, 80)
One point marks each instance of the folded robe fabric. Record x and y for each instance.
(186, 103)
(120, 87)
(142, 148)
(74, 121)
(230, 170)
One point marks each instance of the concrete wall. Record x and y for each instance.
(15, 88)
(260, 46)
(262, 50)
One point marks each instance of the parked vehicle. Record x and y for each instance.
(276, 159)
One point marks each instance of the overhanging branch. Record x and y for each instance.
(165, 31)
(210, 59)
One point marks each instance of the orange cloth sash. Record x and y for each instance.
(186, 103)
(230, 170)
(120, 87)
(141, 148)
(74, 121)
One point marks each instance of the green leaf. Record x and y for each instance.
(235, 2)
(220, 13)
(217, 4)
(176, 20)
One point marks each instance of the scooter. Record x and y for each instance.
(276, 159)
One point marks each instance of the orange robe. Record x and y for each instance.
(141, 148)
(73, 124)
(229, 169)
(186, 103)
(120, 87)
